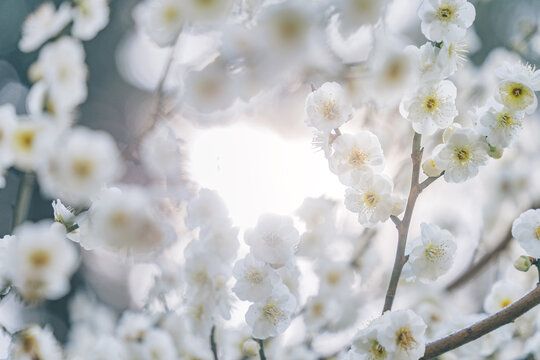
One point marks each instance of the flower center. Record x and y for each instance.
(255, 277)
(318, 309)
(462, 154)
(430, 104)
(272, 239)
(445, 14)
(82, 168)
(272, 313)
(357, 158)
(171, 14)
(405, 339)
(333, 277)
(25, 139)
(505, 303)
(506, 120)
(537, 233)
(40, 258)
(30, 344)
(329, 110)
(370, 199)
(434, 252)
(378, 350)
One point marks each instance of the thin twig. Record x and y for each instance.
(213, 345)
(403, 225)
(24, 198)
(481, 328)
(5, 330)
(262, 356)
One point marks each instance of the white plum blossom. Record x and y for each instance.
(500, 125)
(28, 132)
(161, 154)
(393, 70)
(273, 315)
(526, 230)
(64, 71)
(366, 344)
(35, 343)
(124, 222)
(432, 107)
(318, 213)
(89, 18)
(402, 334)
(255, 279)
(321, 310)
(502, 294)
(431, 254)
(446, 20)
(273, 240)
(356, 154)
(205, 209)
(371, 198)
(518, 83)
(89, 160)
(452, 56)
(221, 238)
(161, 20)
(40, 261)
(43, 24)
(335, 278)
(461, 156)
(355, 13)
(328, 107)
(41, 104)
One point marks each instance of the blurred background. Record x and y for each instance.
(260, 162)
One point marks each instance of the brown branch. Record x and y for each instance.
(213, 345)
(403, 225)
(481, 328)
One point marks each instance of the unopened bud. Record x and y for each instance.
(430, 169)
(495, 153)
(523, 263)
(250, 348)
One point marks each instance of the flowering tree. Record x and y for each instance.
(308, 286)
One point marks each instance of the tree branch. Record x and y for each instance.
(262, 356)
(481, 328)
(213, 345)
(403, 225)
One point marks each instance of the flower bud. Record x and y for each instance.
(429, 168)
(250, 348)
(495, 153)
(523, 263)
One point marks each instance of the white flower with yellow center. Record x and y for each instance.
(432, 254)
(161, 20)
(273, 315)
(24, 137)
(43, 24)
(356, 154)
(89, 18)
(40, 261)
(125, 222)
(517, 87)
(321, 310)
(335, 278)
(502, 294)
(461, 156)
(432, 107)
(273, 240)
(35, 343)
(500, 125)
(393, 70)
(328, 107)
(446, 20)
(254, 279)
(205, 209)
(402, 334)
(451, 57)
(366, 344)
(371, 198)
(526, 230)
(89, 161)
